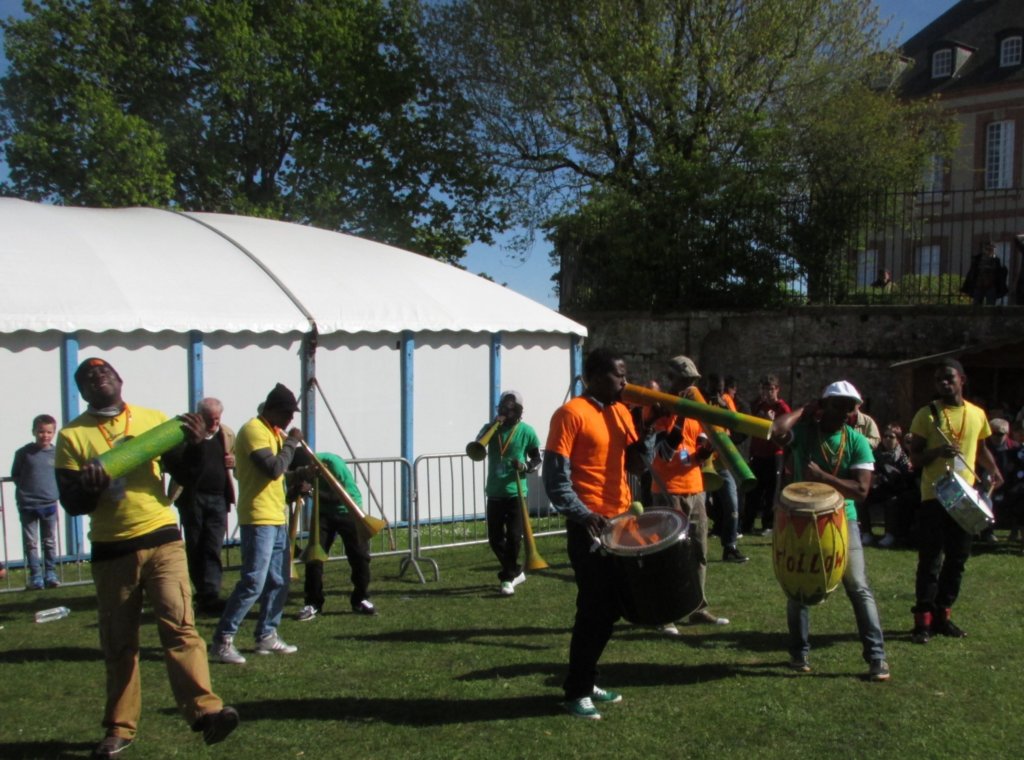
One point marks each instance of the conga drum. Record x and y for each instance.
(809, 541)
(657, 579)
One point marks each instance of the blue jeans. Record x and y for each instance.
(727, 498)
(36, 525)
(265, 576)
(855, 581)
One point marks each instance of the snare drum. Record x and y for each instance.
(657, 570)
(963, 503)
(809, 541)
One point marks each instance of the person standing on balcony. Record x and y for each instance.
(986, 278)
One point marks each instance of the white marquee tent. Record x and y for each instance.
(408, 352)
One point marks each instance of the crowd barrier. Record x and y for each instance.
(434, 503)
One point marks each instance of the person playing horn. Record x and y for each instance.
(590, 446)
(137, 553)
(512, 453)
(336, 520)
(262, 455)
(949, 432)
(825, 449)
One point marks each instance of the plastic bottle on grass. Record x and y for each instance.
(54, 613)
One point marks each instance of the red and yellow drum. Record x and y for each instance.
(809, 541)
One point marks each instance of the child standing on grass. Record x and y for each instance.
(35, 483)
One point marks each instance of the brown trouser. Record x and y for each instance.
(161, 573)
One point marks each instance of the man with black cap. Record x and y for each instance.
(512, 452)
(136, 551)
(262, 455)
(825, 449)
(949, 435)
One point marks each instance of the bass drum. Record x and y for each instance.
(656, 563)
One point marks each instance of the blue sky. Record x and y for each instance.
(532, 276)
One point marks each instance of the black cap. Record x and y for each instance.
(281, 399)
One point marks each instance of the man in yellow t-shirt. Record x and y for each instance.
(947, 432)
(136, 550)
(262, 455)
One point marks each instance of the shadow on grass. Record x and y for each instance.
(422, 711)
(49, 750)
(462, 635)
(69, 654)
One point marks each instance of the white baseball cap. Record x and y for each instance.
(842, 389)
(516, 396)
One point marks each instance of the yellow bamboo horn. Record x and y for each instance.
(533, 559)
(367, 525)
(314, 551)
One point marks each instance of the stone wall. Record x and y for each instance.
(810, 347)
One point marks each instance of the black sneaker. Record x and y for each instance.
(111, 746)
(921, 634)
(732, 554)
(216, 727)
(951, 629)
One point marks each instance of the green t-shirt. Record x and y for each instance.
(330, 502)
(850, 447)
(508, 445)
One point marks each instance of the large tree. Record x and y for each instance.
(323, 112)
(661, 142)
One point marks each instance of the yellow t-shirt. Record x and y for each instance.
(261, 500)
(131, 506)
(967, 425)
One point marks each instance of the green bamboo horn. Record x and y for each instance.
(709, 415)
(143, 448)
(732, 459)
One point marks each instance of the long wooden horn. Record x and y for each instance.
(367, 526)
(705, 413)
(314, 551)
(477, 450)
(293, 532)
(533, 559)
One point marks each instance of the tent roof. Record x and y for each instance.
(66, 269)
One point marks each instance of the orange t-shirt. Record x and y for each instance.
(679, 477)
(594, 440)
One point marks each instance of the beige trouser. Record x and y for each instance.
(694, 507)
(162, 573)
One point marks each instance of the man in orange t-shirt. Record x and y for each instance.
(591, 444)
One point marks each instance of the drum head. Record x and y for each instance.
(631, 535)
(807, 496)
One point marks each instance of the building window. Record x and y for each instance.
(999, 155)
(934, 175)
(1010, 51)
(929, 260)
(942, 63)
(867, 267)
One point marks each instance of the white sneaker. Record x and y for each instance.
(518, 579)
(224, 650)
(669, 629)
(507, 589)
(886, 541)
(365, 607)
(274, 644)
(306, 613)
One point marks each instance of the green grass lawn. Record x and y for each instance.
(451, 669)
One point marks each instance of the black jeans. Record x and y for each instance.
(505, 534)
(356, 551)
(597, 609)
(204, 521)
(942, 551)
(761, 500)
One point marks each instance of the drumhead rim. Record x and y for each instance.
(681, 534)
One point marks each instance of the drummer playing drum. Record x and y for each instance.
(590, 445)
(827, 450)
(948, 433)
